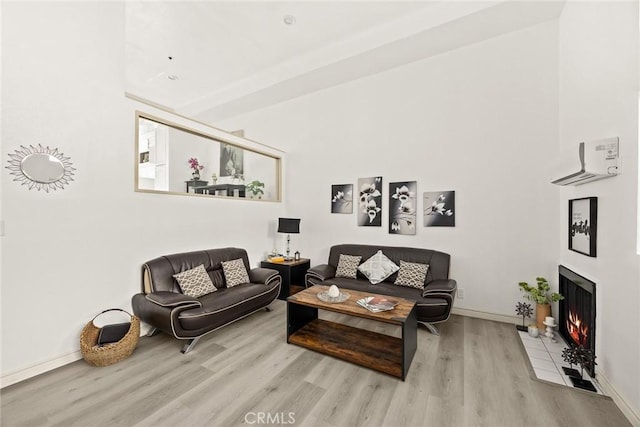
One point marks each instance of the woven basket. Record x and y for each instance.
(110, 353)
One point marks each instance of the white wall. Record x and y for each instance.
(72, 253)
(183, 146)
(481, 120)
(599, 98)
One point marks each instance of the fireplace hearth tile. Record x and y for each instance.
(540, 354)
(555, 347)
(557, 358)
(546, 363)
(525, 336)
(553, 377)
(534, 343)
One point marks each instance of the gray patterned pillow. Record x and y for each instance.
(377, 268)
(195, 282)
(412, 274)
(348, 266)
(235, 272)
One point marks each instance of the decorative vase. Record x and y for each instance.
(196, 175)
(542, 311)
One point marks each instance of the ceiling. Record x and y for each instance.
(234, 57)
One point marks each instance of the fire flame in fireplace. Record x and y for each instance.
(576, 329)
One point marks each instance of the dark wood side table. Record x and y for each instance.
(227, 189)
(194, 183)
(292, 273)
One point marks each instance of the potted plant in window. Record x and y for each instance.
(543, 298)
(255, 188)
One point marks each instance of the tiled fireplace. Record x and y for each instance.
(577, 311)
(576, 324)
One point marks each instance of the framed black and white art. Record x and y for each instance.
(402, 207)
(583, 225)
(439, 208)
(370, 202)
(342, 198)
(231, 160)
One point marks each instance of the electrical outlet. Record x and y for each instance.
(460, 293)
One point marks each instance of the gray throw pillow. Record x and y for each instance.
(412, 274)
(348, 266)
(235, 272)
(378, 267)
(195, 282)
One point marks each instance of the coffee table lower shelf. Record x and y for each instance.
(372, 350)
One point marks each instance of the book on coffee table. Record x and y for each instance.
(377, 304)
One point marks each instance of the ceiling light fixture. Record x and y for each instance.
(289, 19)
(172, 77)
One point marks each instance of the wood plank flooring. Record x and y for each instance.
(474, 374)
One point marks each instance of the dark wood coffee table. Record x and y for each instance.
(373, 350)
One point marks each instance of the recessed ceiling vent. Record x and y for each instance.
(598, 159)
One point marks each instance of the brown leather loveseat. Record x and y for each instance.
(162, 304)
(434, 302)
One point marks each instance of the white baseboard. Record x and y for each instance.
(38, 369)
(41, 368)
(608, 389)
(487, 316)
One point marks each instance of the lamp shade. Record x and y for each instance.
(288, 225)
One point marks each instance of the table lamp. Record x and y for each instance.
(288, 225)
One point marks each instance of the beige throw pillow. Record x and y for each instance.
(195, 282)
(412, 274)
(348, 266)
(235, 272)
(378, 267)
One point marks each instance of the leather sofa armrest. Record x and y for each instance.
(440, 286)
(319, 274)
(322, 272)
(171, 299)
(263, 275)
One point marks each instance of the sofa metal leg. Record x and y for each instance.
(431, 327)
(153, 331)
(267, 309)
(189, 345)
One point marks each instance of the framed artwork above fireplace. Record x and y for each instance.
(583, 225)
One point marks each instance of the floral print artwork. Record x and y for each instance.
(370, 202)
(342, 198)
(402, 207)
(439, 209)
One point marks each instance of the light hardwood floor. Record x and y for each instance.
(474, 374)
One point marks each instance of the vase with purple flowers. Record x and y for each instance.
(196, 166)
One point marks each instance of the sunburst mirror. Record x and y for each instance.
(40, 167)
